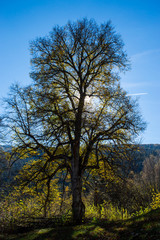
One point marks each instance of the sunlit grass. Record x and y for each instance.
(45, 230)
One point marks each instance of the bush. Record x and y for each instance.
(155, 201)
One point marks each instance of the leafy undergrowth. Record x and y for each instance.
(146, 227)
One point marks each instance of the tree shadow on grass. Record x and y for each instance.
(144, 227)
(69, 233)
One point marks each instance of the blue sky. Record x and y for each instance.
(138, 22)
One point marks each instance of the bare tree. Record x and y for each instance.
(151, 173)
(75, 105)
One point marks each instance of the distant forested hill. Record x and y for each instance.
(145, 150)
(7, 174)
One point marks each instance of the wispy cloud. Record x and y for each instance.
(136, 94)
(145, 53)
(130, 85)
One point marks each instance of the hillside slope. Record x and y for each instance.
(144, 227)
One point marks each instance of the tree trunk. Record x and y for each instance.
(78, 208)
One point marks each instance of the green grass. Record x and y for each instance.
(144, 227)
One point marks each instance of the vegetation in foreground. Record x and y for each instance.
(145, 226)
(115, 208)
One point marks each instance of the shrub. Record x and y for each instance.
(155, 201)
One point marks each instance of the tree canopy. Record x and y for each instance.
(75, 109)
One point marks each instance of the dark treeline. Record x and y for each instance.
(137, 158)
